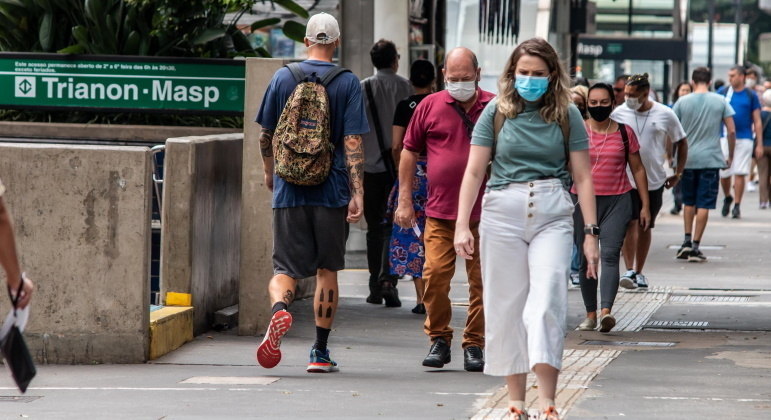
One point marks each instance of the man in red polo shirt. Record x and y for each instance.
(442, 125)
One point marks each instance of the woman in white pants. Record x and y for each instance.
(526, 229)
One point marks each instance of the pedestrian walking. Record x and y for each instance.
(310, 215)
(652, 123)
(749, 139)
(612, 146)
(702, 114)
(682, 89)
(382, 92)
(619, 87)
(578, 94)
(442, 126)
(530, 133)
(764, 161)
(407, 252)
(17, 282)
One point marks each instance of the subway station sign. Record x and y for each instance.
(122, 83)
(632, 48)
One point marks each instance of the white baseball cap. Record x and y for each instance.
(322, 28)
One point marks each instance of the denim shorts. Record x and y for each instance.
(700, 188)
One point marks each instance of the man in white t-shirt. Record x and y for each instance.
(652, 122)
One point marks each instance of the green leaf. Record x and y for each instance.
(263, 52)
(294, 30)
(132, 43)
(265, 22)
(241, 42)
(208, 36)
(293, 7)
(72, 49)
(46, 31)
(80, 33)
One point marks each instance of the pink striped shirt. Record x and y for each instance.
(609, 161)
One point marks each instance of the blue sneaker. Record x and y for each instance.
(641, 281)
(628, 280)
(321, 362)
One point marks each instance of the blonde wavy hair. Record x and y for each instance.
(557, 98)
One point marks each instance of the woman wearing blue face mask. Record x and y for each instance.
(536, 139)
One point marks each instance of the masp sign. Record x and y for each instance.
(121, 83)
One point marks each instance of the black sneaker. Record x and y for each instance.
(438, 354)
(726, 205)
(473, 359)
(684, 251)
(696, 256)
(736, 213)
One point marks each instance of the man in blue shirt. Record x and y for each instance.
(309, 222)
(747, 119)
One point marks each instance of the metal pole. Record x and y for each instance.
(710, 31)
(629, 21)
(738, 30)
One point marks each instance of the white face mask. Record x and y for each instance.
(750, 83)
(633, 103)
(461, 91)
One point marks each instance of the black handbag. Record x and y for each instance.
(15, 351)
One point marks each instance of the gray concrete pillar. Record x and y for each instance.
(357, 33)
(392, 19)
(256, 212)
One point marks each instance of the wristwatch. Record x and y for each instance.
(593, 230)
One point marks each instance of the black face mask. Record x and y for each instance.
(600, 113)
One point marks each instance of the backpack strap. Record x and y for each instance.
(625, 139)
(565, 127)
(297, 71)
(331, 74)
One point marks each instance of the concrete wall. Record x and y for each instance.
(102, 132)
(201, 222)
(82, 219)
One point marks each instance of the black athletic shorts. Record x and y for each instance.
(308, 238)
(655, 197)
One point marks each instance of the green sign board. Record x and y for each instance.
(120, 83)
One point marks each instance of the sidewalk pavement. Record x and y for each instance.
(697, 345)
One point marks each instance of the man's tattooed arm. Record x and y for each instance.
(266, 149)
(266, 143)
(354, 158)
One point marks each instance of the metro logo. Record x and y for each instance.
(25, 87)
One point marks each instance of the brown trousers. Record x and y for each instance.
(438, 271)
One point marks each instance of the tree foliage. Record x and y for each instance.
(178, 28)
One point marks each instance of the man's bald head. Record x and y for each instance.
(464, 55)
(461, 65)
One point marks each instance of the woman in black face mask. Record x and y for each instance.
(611, 147)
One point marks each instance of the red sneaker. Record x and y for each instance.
(268, 352)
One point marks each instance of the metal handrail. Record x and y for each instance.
(157, 174)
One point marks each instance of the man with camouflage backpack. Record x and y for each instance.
(312, 118)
